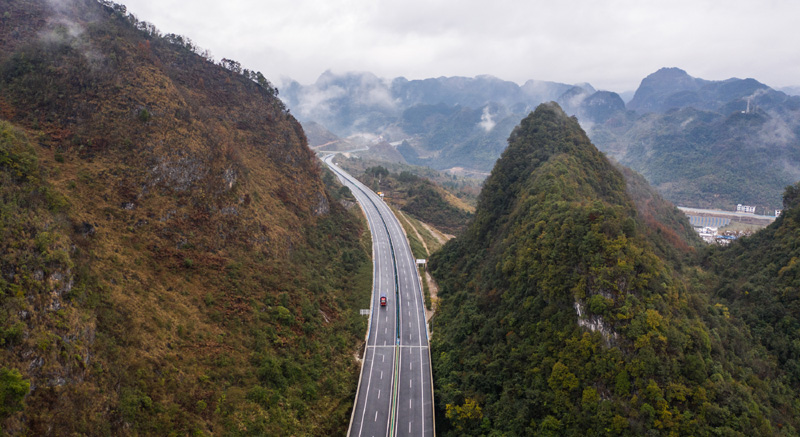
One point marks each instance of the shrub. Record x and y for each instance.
(144, 115)
(12, 390)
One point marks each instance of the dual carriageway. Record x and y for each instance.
(395, 391)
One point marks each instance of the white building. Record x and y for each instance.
(707, 233)
(746, 209)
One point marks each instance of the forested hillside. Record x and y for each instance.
(420, 197)
(171, 262)
(759, 280)
(573, 305)
(707, 143)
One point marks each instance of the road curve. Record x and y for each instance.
(395, 394)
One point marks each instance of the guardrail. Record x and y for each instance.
(396, 364)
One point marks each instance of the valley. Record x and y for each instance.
(397, 341)
(187, 250)
(701, 143)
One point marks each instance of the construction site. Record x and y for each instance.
(721, 227)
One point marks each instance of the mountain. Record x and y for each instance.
(701, 143)
(791, 90)
(420, 197)
(456, 91)
(591, 107)
(345, 104)
(445, 122)
(173, 261)
(706, 143)
(673, 88)
(601, 106)
(758, 280)
(664, 89)
(564, 309)
(444, 137)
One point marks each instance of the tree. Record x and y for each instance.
(377, 171)
(231, 65)
(791, 196)
(465, 417)
(12, 390)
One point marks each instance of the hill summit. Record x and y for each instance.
(564, 310)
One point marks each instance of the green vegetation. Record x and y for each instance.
(461, 191)
(417, 248)
(426, 290)
(759, 281)
(709, 159)
(573, 305)
(183, 269)
(430, 242)
(12, 390)
(665, 226)
(418, 197)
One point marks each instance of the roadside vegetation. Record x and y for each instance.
(441, 200)
(173, 261)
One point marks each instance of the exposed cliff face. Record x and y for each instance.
(570, 306)
(172, 261)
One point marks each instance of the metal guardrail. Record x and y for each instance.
(396, 365)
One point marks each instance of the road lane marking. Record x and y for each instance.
(403, 262)
(379, 394)
(376, 416)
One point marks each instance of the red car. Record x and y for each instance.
(383, 301)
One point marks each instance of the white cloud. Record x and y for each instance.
(486, 120)
(314, 100)
(612, 44)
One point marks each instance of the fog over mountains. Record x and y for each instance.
(175, 260)
(700, 142)
(355, 102)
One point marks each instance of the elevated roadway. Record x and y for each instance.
(395, 393)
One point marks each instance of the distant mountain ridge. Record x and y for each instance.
(673, 88)
(700, 142)
(446, 121)
(347, 102)
(707, 143)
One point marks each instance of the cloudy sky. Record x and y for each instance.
(611, 44)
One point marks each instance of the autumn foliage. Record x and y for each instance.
(172, 261)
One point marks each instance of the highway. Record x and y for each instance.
(395, 395)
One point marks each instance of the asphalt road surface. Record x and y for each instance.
(395, 396)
